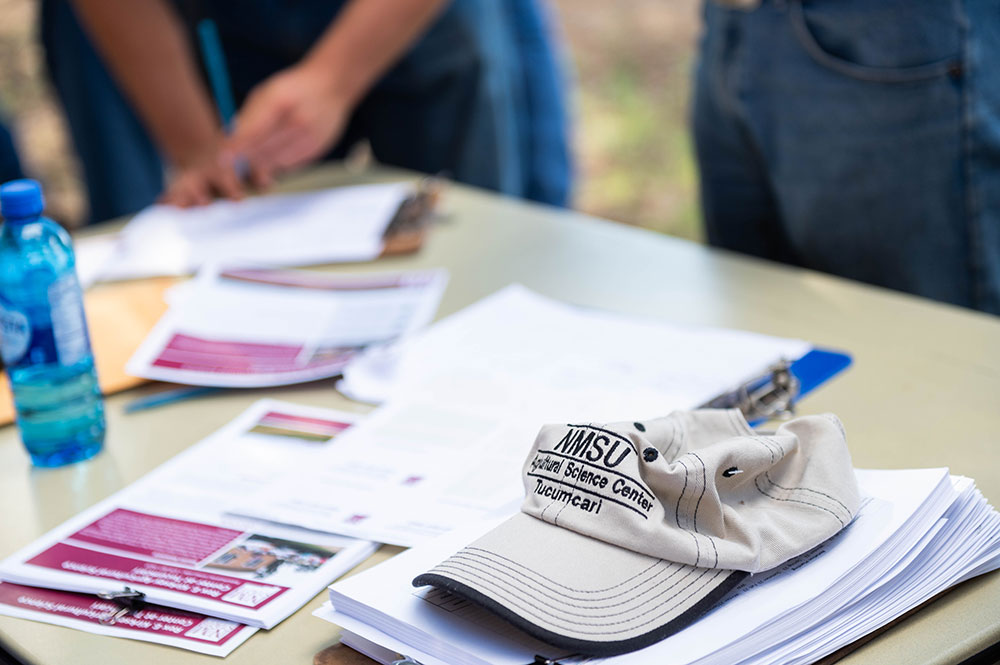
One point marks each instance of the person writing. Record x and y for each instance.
(429, 84)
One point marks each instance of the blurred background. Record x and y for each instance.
(631, 60)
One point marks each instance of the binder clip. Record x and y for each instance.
(128, 601)
(771, 395)
(405, 232)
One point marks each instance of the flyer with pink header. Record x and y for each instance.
(152, 623)
(254, 576)
(166, 539)
(252, 328)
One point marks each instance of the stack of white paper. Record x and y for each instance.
(918, 533)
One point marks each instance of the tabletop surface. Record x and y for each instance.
(924, 391)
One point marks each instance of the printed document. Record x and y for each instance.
(518, 346)
(153, 623)
(339, 225)
(471, 393)
(167, 535)
(255, 328)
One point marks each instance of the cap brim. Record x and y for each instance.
(576, 592)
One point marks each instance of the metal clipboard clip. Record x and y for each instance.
(771, 395)
(128, 601)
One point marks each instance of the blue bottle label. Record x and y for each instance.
(15, 334)
(69, 327)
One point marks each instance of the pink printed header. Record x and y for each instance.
(151, 619)
(145, 575)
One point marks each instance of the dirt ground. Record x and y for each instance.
(28, 107)
(630, 61)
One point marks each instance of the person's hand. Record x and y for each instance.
(288, 120)
(202, 179)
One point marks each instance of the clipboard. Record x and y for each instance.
(774, 393)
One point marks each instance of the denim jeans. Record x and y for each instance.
(454, 103)
(540, 102)
(856, 137)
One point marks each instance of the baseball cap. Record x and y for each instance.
(631, 531)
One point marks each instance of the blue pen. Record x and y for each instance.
(218, 78)
(218, 73)
(168, 397)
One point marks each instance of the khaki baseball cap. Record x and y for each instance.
(631, 531)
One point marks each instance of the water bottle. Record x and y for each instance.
(43, 334)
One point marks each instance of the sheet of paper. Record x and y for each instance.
(254, 327)
(417, 471)
(519, 344)
(161, 625)
(471, 394)
(167, 534)
(269, 438)
(337, 225)
(901, 507)
(92, 254)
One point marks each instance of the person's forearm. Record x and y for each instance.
(367, 37)
(144, 44)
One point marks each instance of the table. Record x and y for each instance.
(924, 391)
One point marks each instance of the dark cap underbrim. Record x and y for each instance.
(578, 593)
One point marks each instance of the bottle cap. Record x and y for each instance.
(21, 200)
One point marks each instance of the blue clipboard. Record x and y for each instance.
(817, 367)
(774, 393)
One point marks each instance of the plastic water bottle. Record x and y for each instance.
(43, 333)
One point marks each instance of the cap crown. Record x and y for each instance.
(698, 487)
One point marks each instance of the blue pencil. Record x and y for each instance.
(168, 397)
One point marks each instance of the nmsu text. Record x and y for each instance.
(594, 445)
